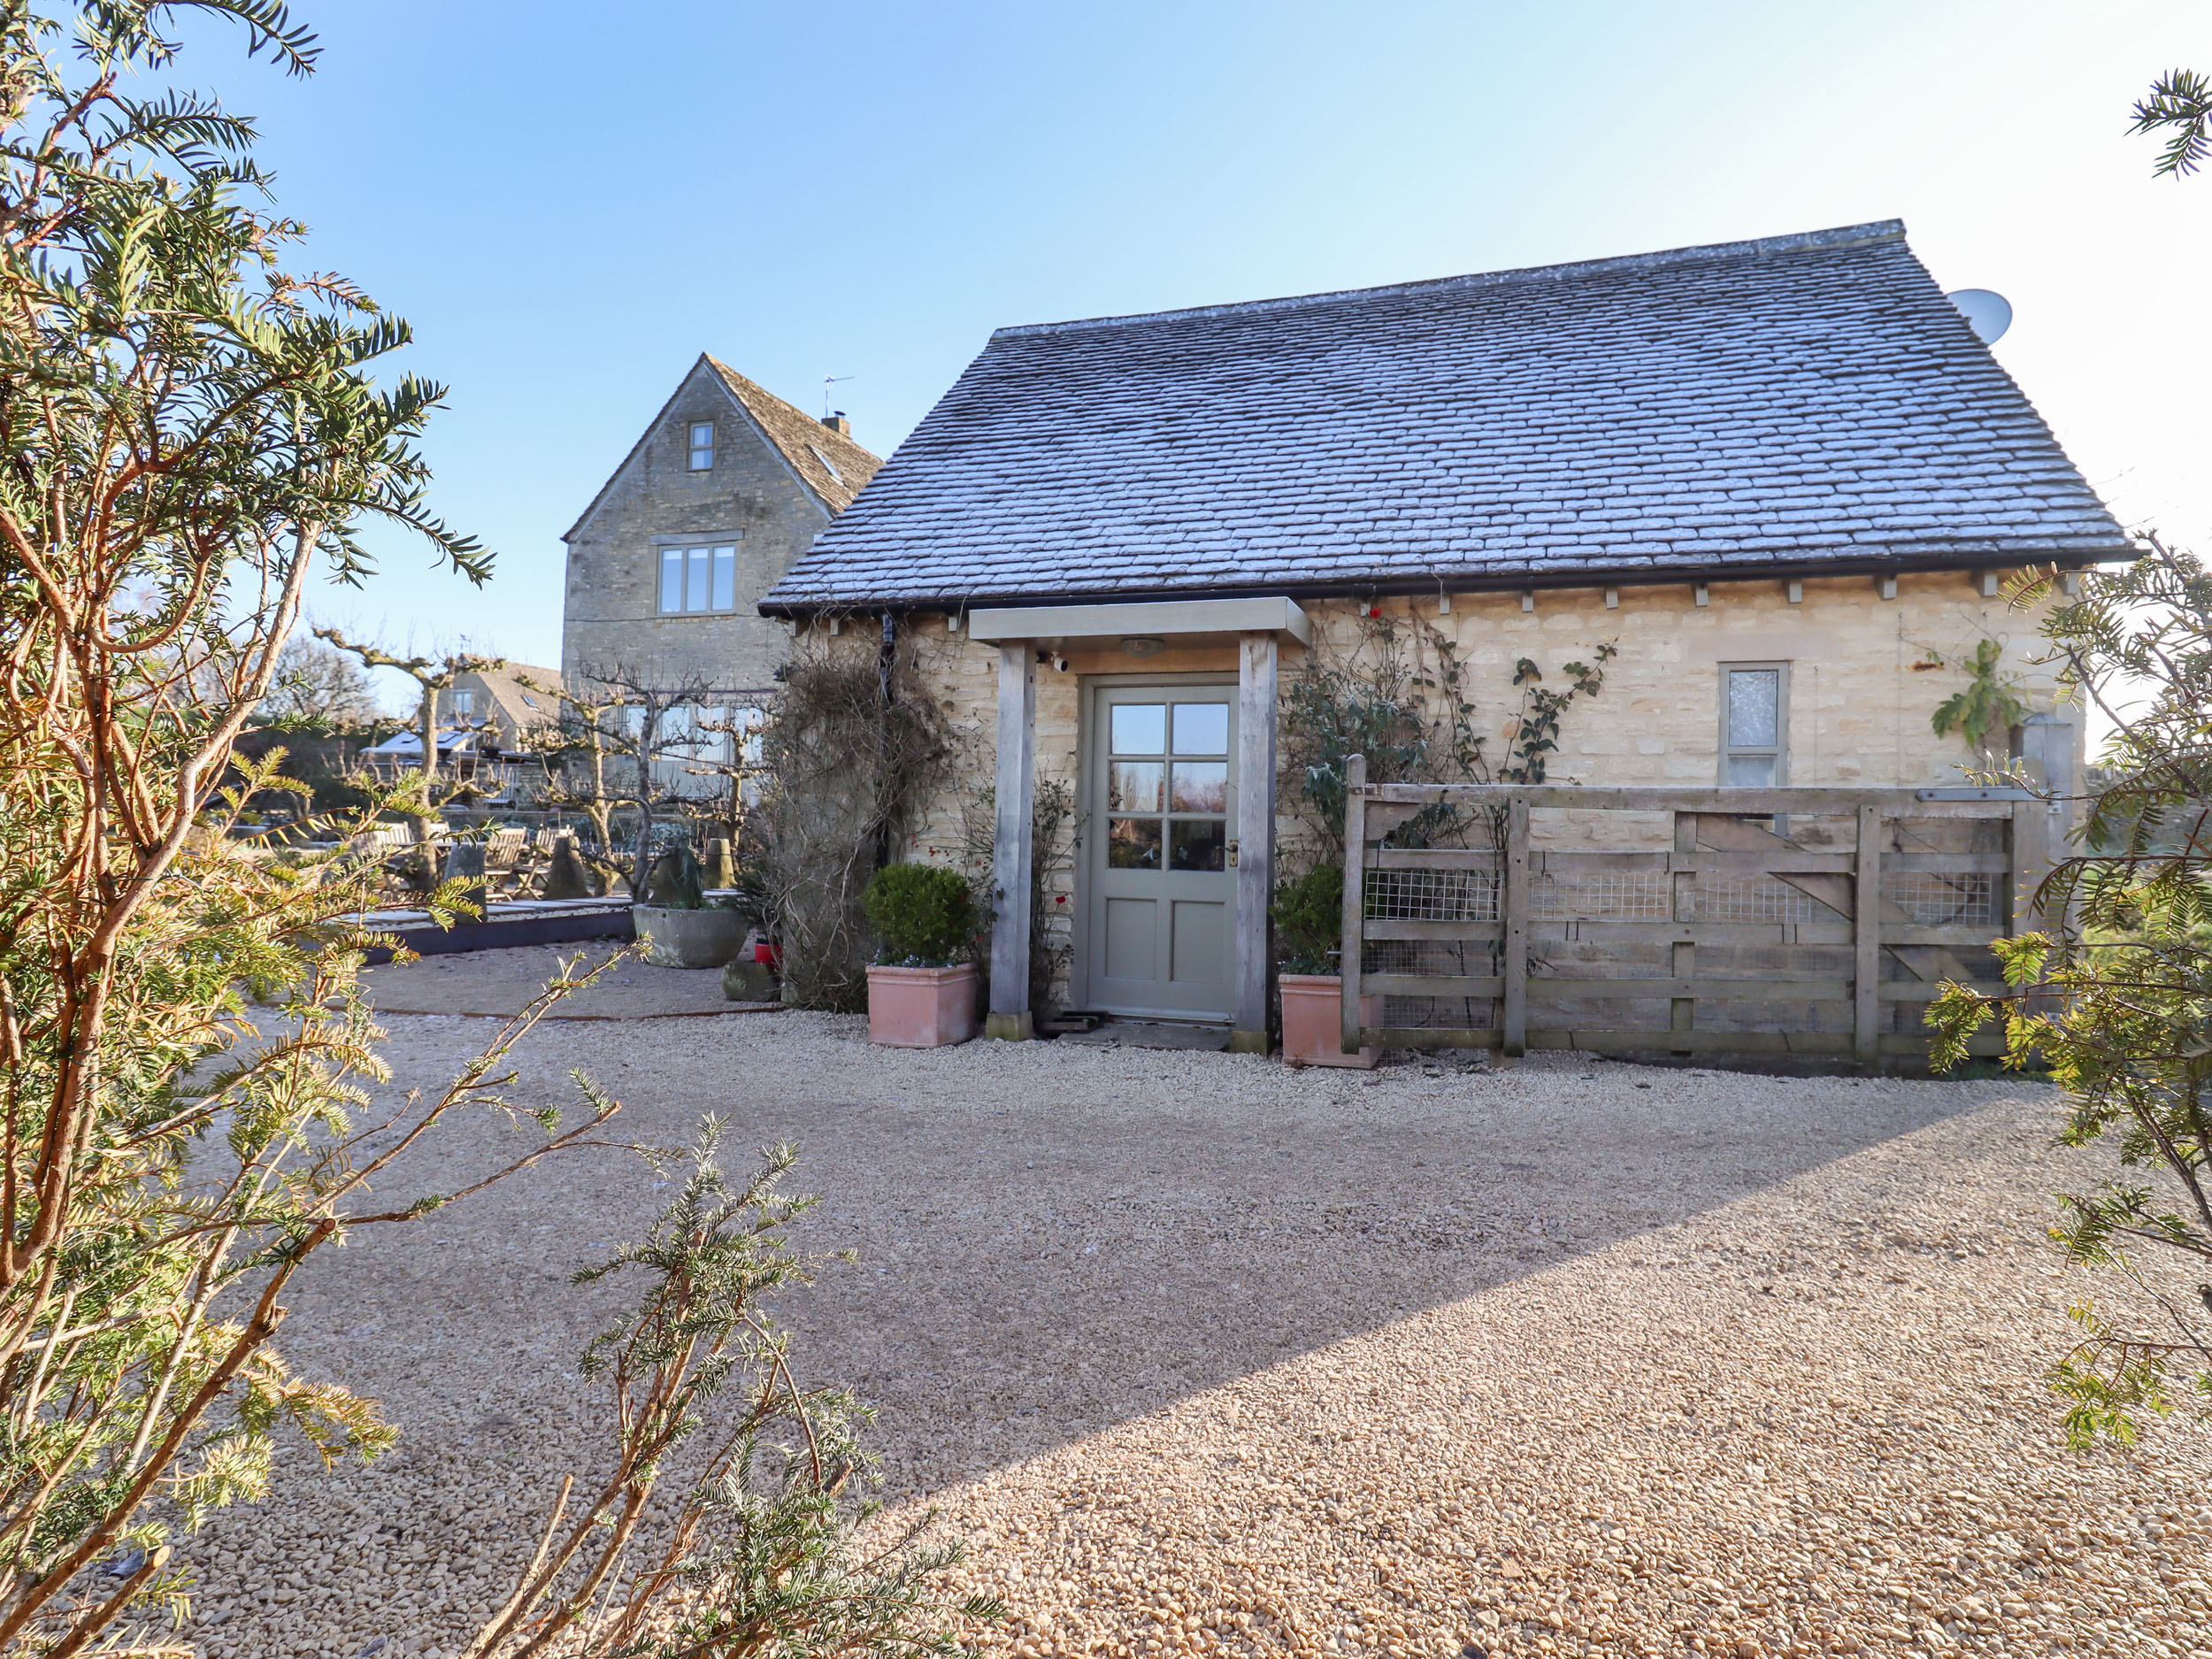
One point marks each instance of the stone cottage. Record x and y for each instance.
(505, 705)
(667, 565)
(1784, 479)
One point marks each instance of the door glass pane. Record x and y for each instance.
(1201, 785)
(726, 579)
(1140, 728)
(696, 587)
(1133, 785)
(1198, 843)
(1751, 771)
(1132, 844)
(672, 578)
(1201, 728)
(1753, 695)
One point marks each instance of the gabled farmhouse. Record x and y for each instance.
(506, 703)
(667, 565)
(1784, 478)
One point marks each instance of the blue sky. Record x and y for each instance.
(571, 202)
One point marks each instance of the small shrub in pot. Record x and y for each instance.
(1309, 928)
(921, 990)
(1310, 920)
(923, 915)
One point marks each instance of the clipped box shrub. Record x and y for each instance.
(1310, 920)
(922, 916)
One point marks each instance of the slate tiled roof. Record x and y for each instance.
(511, 683)
(833, 466)
(1794, 405)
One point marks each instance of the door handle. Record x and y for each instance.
(1233, 855)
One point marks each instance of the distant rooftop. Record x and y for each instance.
(1793, 404)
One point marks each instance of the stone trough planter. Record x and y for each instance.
(689, 939)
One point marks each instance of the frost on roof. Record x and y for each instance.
(1792, 402)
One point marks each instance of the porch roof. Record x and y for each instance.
(1794, 405)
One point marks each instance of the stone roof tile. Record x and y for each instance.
(1799, 401)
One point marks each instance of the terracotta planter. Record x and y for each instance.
(1313, 1021)
(921, 1008)
(687, 939)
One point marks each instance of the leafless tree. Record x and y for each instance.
(432, 674)
(627, 733)
(318, 682)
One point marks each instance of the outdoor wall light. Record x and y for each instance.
(1144, 645)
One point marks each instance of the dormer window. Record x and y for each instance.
(702, 446)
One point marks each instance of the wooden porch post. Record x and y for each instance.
(1254, 837)
(1010, 856)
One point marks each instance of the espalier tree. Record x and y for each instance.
(189, 429)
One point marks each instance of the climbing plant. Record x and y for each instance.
(1051, 862)
(1535, 729)
(1402, 693)
(848, 754)
(1990, 701)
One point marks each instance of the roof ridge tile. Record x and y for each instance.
(1840, 236)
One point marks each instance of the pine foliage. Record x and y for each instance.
(2116, 999)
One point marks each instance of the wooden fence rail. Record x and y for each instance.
(1653, 921)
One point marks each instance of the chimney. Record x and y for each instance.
(838, 424)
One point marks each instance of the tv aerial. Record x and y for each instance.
(1987, 312)
(829, 380)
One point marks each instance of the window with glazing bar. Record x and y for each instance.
(702, 446)
(1754, 724)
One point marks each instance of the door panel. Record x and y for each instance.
(1132, 932)
(1200, 932)
(1160, 892)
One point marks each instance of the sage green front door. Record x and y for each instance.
(1161, 888)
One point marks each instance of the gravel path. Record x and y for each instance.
(1205, 1355)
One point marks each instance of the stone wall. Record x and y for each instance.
(611, 613)
(1858, 710)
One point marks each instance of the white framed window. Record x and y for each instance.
(463, 703)
(1754, 724)
(702, 446)
(698, 581)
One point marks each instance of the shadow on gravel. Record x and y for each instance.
(1026, 1283)
(1054, 1239)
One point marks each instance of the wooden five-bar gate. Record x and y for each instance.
(1676, 922)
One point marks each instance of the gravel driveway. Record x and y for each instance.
(1204, 1353)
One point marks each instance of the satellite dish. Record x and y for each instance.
(1987, 314)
